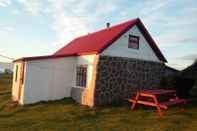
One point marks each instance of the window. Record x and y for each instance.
(16, 73)
(81, 76)
(133, 42)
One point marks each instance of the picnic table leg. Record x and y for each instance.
(158, 107)
(135, 102)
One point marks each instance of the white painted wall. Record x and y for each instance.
(48, 79)
(51, 79)
(89, 61)
(120, 47)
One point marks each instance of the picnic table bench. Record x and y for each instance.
(151, 98)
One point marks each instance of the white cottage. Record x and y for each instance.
(96, 69)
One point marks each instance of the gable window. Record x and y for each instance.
(16, 73)
(133, 42)
(81, 77)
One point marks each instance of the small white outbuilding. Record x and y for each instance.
(88, 68)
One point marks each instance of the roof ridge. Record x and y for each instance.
(111, 27)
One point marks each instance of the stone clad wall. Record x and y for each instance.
(118, 78)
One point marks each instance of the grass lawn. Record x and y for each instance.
(67, 115)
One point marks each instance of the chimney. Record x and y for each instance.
(108, 24)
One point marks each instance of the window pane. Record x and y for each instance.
(81, 76)
(133, 42)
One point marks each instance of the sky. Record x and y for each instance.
(41, 27)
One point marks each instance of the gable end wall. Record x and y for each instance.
(120, 47)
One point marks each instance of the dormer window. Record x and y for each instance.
(133, 42)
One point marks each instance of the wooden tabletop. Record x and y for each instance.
(158, 91)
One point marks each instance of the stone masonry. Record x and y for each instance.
(118, 78)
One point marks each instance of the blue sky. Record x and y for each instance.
(40, 27)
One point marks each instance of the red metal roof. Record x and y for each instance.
(98, 41)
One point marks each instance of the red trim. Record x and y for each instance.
(51, 56)
(87, 53)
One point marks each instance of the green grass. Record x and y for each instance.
(67, 115)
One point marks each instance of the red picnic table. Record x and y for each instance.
(151, 98)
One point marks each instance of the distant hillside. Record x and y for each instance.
(5, 65)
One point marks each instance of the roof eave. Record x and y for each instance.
(151, 41)
(53, 56)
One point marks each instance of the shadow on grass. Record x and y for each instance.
(62, 101)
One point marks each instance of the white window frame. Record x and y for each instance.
(81, 79)
(130, 42)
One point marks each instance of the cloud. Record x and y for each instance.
(152, 6)
(106, 7)
(177, 66)
(70, 18)
(6, 29)
(180, 64)
(183, 61)
(171, 28)
(33, 7)
(66, 21)
(174, 37)
(191, 57)
(5, 3)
